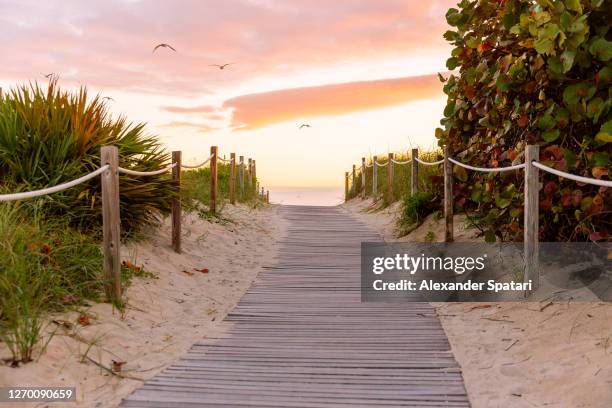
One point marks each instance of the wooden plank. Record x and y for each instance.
(301, 337)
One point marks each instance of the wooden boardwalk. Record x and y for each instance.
(302, 338)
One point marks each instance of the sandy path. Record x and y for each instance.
(164, 315)
(559, 357)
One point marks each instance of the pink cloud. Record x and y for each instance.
(108, 44)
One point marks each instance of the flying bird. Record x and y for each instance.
(221, 66)
(52, 74)
(303, 125)
(164, 45)
(109, 98)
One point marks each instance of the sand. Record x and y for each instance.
(164, 316)
(517, 354)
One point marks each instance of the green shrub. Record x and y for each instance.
(532, 72)
(48, 137)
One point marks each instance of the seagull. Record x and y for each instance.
(304, 125)
(164, 45)
(221, 66)
(109, 98)
(50, 75)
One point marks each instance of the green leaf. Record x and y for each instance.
(601, 49)
(452, 63)
(574, 5)
(490, 236)
(594, 107)
(601, 159)
(502, 202)
(567, 58)
(544, 46)
(574, 93)
(454, 17)
(605, 133)
(551, 135)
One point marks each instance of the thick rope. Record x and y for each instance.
(197, 165)
(487, 170)
(54, 189)
(401, 162)
(382, 164)
(146, 173)
(580, 179)
(429, 163)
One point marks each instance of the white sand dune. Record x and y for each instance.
(515, 354)
(164, 316)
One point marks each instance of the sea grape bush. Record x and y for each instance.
(531, 72)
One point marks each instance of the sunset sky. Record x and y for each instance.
(362, 73)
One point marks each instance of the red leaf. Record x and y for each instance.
(203, 270)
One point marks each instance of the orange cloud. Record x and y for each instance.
(262, 109)
(201, 127)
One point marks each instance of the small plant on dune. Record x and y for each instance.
(415, 208)
(48, 137)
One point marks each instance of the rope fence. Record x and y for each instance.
(531, 167)
(109, 173)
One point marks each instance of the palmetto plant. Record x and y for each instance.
(50, 136)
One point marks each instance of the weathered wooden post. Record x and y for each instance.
(531, 218)
(111, 223)
(267, 196)
(374, 177)
(255, 171)
(346, 186)
(176, 202)
(390, 178)
(414, 176)
(448, 196)
(363, 178)
(250, 175)
(241, 176)
(354, 186)
(262, 193)
(213, 180)
(232, 180)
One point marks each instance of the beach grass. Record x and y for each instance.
(413, 208)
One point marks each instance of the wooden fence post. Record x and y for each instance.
(363, 178)
(250, 175)
(448, 196)
(354, 186)
(176, 202)
(255, 171)
(531, 217)
(111, 223)
(232, 180)
(390, 178)
(213, 180)
(267, 196)
(374, 177)
(346, 186)
(262, 193)
(241, 176)
(414, 177)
